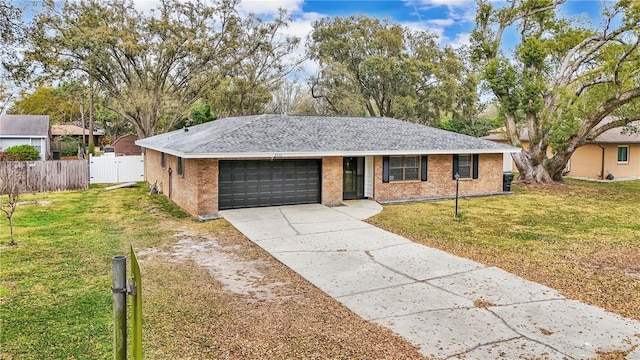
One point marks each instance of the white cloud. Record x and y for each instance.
(258, 7)
(459, 10)
(424, 26)
(456, 12)
(461, 39)
(448, 3)
(270, 7)
(441, 22)
(301, 26)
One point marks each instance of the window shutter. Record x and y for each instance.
(455, 166)
(385, 169)
(424, 163)
(476, 160)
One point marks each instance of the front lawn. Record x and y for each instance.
(209, 293)
(582, 238)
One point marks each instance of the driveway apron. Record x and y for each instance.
(449, 306)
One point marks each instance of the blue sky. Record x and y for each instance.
(452, 20)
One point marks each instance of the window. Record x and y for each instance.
(163, 160)
(623, 154)
(466, 166)
(403, 168)
(37, 143)
(180, 166)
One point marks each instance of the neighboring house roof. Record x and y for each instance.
(616, 135)
(125, 138)
(67, 129)
(287, 136)
(500, 134)
(24, 125)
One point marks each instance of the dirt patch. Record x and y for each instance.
(621, 259)
(236, 275)
(37, 202)
(212, 294)
(545, 331)
(479, 303)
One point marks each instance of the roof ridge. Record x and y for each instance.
(236, 128)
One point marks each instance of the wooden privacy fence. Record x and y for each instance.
(41, 176)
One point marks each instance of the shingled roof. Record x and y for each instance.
(611, 136)
(24, 125)
(69, 129)
(290, 136)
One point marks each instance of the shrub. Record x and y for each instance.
(22, 153)
(69, 150)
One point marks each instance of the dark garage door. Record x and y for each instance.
(252, 183)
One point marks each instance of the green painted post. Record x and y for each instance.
(136, 323)
(119, 307)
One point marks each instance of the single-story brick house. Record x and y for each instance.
(613, 152)
(265, 160)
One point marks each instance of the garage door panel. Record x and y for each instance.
(267, 183)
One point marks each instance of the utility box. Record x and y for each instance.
(507, 178)
(109, 151)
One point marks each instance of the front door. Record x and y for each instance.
(353, 178)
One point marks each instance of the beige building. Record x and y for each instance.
(613, 154)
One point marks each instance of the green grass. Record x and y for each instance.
(582, 238)
(55, 299)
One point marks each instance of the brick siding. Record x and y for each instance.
(197, 192)
(440, 181)
(332, 172)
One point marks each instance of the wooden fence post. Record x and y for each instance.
(136, 309)
(119, 308)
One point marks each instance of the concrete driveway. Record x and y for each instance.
(449, 306)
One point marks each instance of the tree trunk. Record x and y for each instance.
(84, 126)
(535, 166)
(12, 242)
(91, 114)
(531, 171)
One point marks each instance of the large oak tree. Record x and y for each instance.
(247, 88)
(379, 68)
(11, 36)
(565, 83)
(150, 67)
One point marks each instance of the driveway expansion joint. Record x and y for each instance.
(429, 296)
(483, 344)
(289, 222)
(373, 259)
(426, 280)
(372, 290)
(525, 336)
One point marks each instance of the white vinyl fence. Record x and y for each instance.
(116, 169)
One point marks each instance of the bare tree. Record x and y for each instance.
(11, 185)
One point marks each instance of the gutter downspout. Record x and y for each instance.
(170, 172)
(602, 163)
(373, 174)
